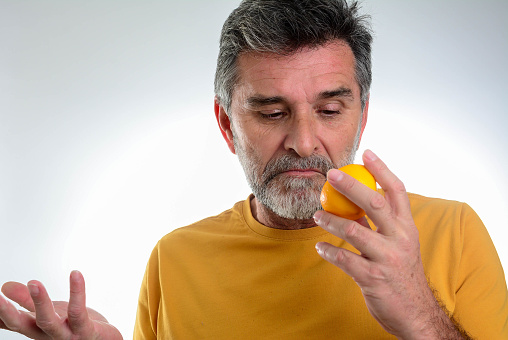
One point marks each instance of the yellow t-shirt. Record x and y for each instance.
(230, 277)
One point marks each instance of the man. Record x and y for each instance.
(292, 98)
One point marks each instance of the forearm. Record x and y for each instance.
(438, 323)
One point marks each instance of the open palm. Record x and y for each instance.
(46, 319)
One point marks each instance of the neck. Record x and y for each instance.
(268, 218)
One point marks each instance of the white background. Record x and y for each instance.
(108, 139)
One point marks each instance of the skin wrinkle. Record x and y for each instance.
(257, 33)
(258, 101)
(341, 92)
(340, 47)
(282, 119)
(275, 197)
(272, 197)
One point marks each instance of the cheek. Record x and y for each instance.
(260, 139)
(340, 143)
(261, 147)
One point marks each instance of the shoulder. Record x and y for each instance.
(436, 206)
(425, 202)
(437, 215)
(214, 226)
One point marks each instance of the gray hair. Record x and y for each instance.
(285, 26)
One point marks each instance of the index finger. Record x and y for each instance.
(395, 191)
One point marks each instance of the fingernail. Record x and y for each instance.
(335, 175)
(33, 289)
(317, 216)
(75, 275)
(319, 250)
(371, 156)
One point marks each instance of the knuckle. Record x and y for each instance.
(48, 326)
(340, 256)
(324, 221)
(392, 260)
(354, 233)
(409, 241)
(410, 245)
(381, 167)
(349, 184)
(38, 302)
(398, 186)
(377, 201)
(74, 313)
(376, 273)
(351, 230)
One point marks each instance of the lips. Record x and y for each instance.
(296, 173)
(296, 167)
(302, 172)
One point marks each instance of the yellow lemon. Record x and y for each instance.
(336, 203)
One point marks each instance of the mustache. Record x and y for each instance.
(289, 162)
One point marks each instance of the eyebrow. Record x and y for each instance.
(340, 92)
(260, 100)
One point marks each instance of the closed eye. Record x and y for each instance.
(272, 114)
(329, 112)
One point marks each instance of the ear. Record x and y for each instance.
(363, 123)
(224, 124)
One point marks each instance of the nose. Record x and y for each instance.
(301, 136)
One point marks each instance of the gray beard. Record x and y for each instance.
(289, 197)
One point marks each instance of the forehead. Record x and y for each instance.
(310, 70)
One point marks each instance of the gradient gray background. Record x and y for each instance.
(108, 139)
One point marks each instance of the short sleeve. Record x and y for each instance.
(481, 293)
(149, 299)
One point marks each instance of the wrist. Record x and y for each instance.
(435, 322)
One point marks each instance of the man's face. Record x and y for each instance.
(292, 119)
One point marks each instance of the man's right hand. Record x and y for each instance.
(46, 319)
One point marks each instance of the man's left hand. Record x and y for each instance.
(389, 269)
